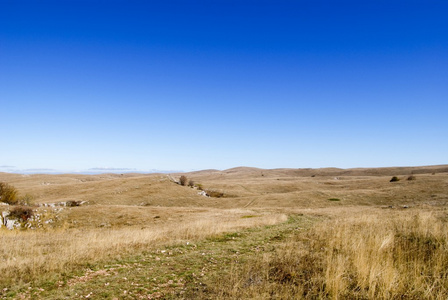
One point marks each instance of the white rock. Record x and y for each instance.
(11, 224)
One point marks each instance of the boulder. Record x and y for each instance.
(12, 224)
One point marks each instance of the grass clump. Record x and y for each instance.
(27, 200)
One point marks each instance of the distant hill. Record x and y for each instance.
(386, 171)
(242, 187)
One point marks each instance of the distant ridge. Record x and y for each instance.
(382, 171)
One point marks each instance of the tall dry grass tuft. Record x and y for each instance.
(36, 254)
(380, 256)
(386, 258)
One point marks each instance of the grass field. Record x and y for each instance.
(272, 234)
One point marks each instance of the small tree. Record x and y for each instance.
(191, 183)
(183, 180)
(8, 194)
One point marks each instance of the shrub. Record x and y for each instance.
(8, 194)
(215, 194)
(394, 179)
(21, 212)
(72, 203)
(191, 183)
(183, 180)
(411, 177)
(26, 200)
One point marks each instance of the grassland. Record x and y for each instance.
(280, 234)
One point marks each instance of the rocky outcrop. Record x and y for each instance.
(9, 223)
(70, 203)
(36, 220)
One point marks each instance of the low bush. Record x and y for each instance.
(21, 212)
(411, 177)
(72, 203)
(215, 194)
(8, 194)
(394, 179)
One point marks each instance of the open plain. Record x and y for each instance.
(232, 234)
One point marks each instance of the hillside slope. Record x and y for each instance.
(244, 188)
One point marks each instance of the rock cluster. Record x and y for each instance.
(69, 203)
(38, 220)
(8, 222)
(203, 193)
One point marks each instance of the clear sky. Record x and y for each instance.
(187, 85)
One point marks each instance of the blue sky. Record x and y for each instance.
(186, 85)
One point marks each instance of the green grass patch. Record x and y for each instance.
(178, 271)
(334, 199)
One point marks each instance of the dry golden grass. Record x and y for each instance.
(387, 256)
(106, 189)
(246, 188)
(371, 247)
(30, 255)
(370, 256)
(297, 188)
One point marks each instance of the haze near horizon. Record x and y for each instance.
(189, 85)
